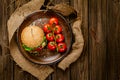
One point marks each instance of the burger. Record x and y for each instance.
(33, 39)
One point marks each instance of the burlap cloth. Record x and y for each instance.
(40, 71)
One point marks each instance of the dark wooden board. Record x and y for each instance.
(97, 40)
(100, 59)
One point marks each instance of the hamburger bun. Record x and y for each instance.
(32, 36)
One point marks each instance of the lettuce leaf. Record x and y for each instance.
(27, 48)
(43, 44)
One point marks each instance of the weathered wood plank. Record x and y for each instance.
(113, 39)
(61, 75)
(97, 40)
(18, 73)
(1, 58)
(79, 69)
(6, 65)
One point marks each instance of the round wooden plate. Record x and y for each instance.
(40, 18)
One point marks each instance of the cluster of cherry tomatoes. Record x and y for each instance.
(54, 36)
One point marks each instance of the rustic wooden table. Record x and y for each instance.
(100, 59)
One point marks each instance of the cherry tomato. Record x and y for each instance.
(61, 47)
(47, 28)
(59, 38)
(57, 29)
(50, 36)
(52, 46)
(53, 21)
(39, 49)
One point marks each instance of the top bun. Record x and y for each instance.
(32, 36)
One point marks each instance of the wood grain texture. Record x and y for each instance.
(100, 59)
(113, 39)
(97, 40)
(6, 63)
